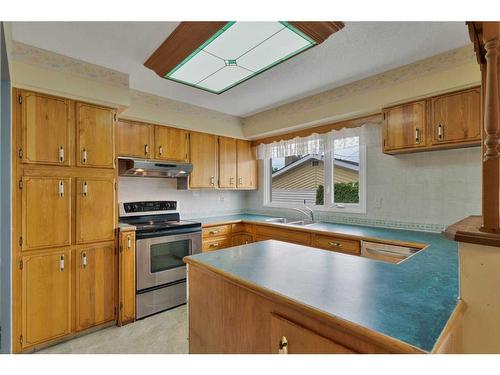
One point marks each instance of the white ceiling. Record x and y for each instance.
(360, 50)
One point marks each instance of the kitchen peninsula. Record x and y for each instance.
(261, 296)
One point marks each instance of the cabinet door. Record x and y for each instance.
(127, 278)
(95, 286)
(404, 126)
(456, 117)
(227, 162)
(95, 209)
(171, 143)
(290, 338)
(46, 124)
(247, 166)
(134, 139)
(95, 139)
(46, 212)
(203, 156)
(241, 239)
(46, 297)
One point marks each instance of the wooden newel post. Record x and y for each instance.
(491, 164)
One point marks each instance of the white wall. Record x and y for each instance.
(437, 187)
(192, 203)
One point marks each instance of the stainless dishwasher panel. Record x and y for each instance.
(386, 253)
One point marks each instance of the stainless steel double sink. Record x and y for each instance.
(284, 220)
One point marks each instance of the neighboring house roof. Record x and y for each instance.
(348, 164)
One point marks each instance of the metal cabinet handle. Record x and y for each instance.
(85, 189)
(283, 345)
(212, 180)
(146, 149)
(160, 150)
(231, 180)
(129, 242)
(214, 244)
(417, 135)
(61, 263)
(61, 188)
(440, 131)
(214, 231)
(84, 259)
(84, 156)
(61, 154)
(240, 180)
(336, 244)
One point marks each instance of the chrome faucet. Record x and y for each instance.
(308, 212)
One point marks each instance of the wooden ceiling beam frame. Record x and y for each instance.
(190, 35)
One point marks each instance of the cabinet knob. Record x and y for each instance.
(61, 263)
(417, 135)
(85, 189)
(61, 188)
(61, 154)
(440, 131)
(335, 244)
(84, 156)
(146, 149)
(283, 345)
(129, 242)
(84, 259)
(160, 150)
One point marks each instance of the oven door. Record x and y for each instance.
(159, 259)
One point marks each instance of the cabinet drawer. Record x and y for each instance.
(287, 337)
(216, 243)
(337, 244)
(216, 231)
(280, 234)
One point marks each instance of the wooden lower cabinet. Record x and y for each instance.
(46, 296)
(241, 239)
(95, 285)
(333, 243)
(287, 337)
(228, 317)
(211, 244)
(126, 278)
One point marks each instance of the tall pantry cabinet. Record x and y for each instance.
(64, 218)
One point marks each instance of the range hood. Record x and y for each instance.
(132, 167)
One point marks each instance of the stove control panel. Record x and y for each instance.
(149, 206)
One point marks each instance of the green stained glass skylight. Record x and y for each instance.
(237, 52)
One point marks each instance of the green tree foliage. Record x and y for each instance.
(345, 192)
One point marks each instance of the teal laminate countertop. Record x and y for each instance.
(410, 301)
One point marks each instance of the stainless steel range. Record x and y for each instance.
(162, 240)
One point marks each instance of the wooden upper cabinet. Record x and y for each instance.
(95, 286)
(46, 212)
(404, 126)
(456, 117)
(171, 143)
(203, 156)
(46, 296)
(126, 312)
(134, 139)
(227, 162)
(46, 123)
(95, 209)
(246, 174)
(95, 137)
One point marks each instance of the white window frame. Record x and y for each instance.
(329, 205)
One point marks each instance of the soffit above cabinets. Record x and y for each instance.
(216, 56)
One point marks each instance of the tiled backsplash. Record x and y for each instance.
(192, 203)
(420, 191)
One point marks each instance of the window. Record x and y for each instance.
(330, 180)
